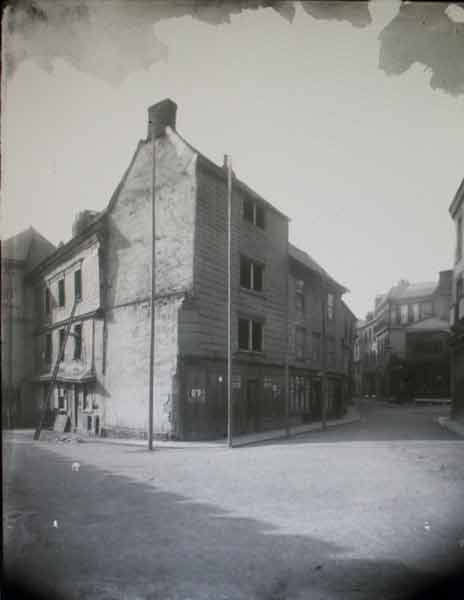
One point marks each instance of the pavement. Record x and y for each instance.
(373, 509)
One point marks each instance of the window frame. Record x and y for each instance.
(48, 352)
(300, 344)
(251, 216)
(251, 325)
(47, 301)
(78, 278)
(77, 355)
(252, 266)
(61, 293)
(61, 350)
(330, 306)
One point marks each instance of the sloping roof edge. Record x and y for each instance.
(308, 261)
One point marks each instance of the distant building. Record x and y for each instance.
(404, 343)
(20, 254)
(366, 357)
(457, 307)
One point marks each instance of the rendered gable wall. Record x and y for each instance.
(128, 261)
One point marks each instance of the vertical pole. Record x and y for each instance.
(324, 355)
(229, 304)
(287, 349)
(153, 292)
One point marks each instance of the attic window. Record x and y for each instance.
(254, 213)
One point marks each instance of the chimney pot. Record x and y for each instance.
(160, 116)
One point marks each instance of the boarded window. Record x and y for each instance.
(78, 285)
(61, 296)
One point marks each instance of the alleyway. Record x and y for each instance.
(370, 510)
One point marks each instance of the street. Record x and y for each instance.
(374, 509)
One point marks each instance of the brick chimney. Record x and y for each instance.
(160, 116)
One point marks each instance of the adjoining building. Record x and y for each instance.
(457, 308)
(99, 284)
(20, 254)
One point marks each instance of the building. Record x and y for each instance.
(411, 332)
(104, 275)
(315, 302)
(457, 308)
(366, 357)
(20, 254)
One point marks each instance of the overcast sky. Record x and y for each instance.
(364, 164)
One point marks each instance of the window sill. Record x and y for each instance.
(255, 293)
(256, 353)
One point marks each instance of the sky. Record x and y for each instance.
(364, 160)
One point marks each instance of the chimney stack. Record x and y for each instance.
(445, 281)
(160, 116)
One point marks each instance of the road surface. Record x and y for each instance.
(373, 509)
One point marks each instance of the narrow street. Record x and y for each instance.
(370, 510)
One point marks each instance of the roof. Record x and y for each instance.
(432, 324)
(70, 245)
(458, 197)
(222, 173)
(308, 261)
(413, 290)
(28, 246)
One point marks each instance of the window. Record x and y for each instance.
(77, 341)
(251, 274)
(459, 238)
(410, 313)
(300, 338)
(299, 297)
(330, 306)
(416, 312)
(331, 353)
(316, 346)
(61, 298)
(85, 399)
(61, 399)
(254, 212)
(78, 285)
(427, 309)
(250, 335)
(47, 301)
(48, 348)
(61, 349)
(404, 313)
